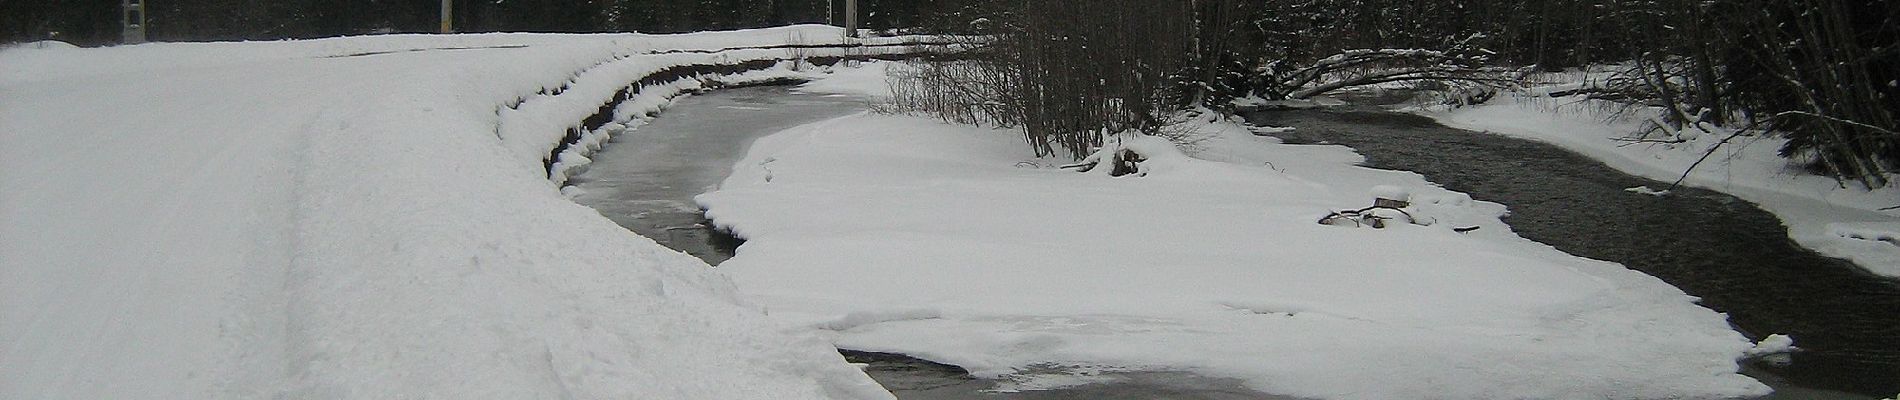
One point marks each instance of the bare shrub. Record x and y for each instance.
(1061, 71)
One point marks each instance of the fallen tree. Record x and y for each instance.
(1283, 80)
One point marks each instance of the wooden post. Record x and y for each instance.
(448, 16)
(851, 18)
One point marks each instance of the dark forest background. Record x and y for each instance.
(1825, 73)
(96, 22)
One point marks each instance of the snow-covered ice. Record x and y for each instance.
(950, 243)
(1748, 167)
(867, 79)
(355, 217)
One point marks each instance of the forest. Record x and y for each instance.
(96, 22)
(1825, 73)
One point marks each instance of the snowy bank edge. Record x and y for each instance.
(1812, 219)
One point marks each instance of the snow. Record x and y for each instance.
(37, 45)
(950, 243)
(1269, 130)
(355, 217)
(1748, 168)
(865, 80)
(1646, 190)
(1390, 192)
(1773, 344)
(1888, 232)
(1256, 102)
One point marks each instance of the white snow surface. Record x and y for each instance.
(306, 219)
(951, 243)
(1813, 207)
(866, 79)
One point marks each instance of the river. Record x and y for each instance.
(1733, 255)
(1736, 257)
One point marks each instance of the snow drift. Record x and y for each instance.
(950, 243)
(355, 217)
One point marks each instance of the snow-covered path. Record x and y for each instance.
(244, 220)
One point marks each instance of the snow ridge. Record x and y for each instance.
(553, 120)
(252, 220)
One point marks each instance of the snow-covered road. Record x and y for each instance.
(245, 220)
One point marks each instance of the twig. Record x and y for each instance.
(1082, 166)
(1645, 140)
(1863, 125)
(1705, 157)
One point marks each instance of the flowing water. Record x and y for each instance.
(645, 181)
(1733, 255)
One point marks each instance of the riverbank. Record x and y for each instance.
(904, 235)
(1733, 256)
(357, 217)
(1834, 218)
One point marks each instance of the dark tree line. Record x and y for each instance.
(97, 22)
(1822, 72)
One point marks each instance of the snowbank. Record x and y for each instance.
(951, 243)
(1747, 168)
(352, 217)
(868, 80)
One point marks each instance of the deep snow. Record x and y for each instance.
(1822, 214)
(355, 217)
(902, 234)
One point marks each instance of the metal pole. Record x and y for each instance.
(133, 14)
(448, 16)
(851, 18)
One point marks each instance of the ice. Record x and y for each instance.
(1773, 344)
(1646, 191)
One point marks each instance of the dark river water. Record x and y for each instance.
(645, 179)
(1733, 255)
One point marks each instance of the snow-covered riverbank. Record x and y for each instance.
(356, 217)
(1820, 213)
(902, 234)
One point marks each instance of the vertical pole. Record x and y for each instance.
(133, 14)
(851, 18)
(448, 16)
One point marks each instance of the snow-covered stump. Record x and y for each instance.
(1388, 196)
(1126, 153)
(1388, 203)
